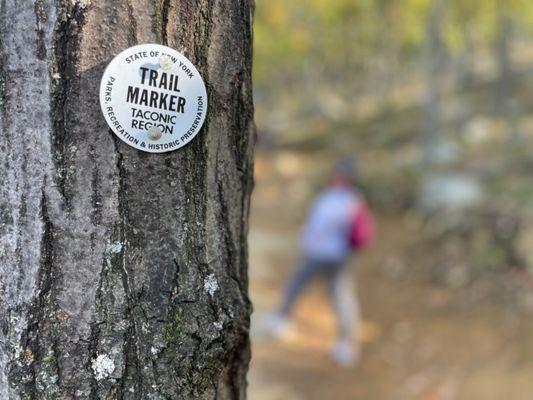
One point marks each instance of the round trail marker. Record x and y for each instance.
(153, 98)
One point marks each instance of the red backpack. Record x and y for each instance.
(363, 228)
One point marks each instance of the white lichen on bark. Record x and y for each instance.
(210, 284)
(103, 366)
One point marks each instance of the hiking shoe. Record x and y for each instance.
(276, 325)
(345, 354)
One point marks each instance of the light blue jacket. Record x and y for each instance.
(325, 235)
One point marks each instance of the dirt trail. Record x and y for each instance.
(420, 341)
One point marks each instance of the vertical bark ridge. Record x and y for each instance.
(35, 380)
(24, 146)
(133, 24)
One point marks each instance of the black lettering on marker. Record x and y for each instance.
(153, 77)
(156, 99)
(133, 95)
(143, 77)
(181, 105)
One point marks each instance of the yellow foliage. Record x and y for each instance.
(345, 35)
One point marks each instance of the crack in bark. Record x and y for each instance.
(37, 368)
(40, 19)
(64, 73)
(3, 72)
(162, 21)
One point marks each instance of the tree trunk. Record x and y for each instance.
(123, 274)
(465, 63)
(434, 60)
(503, 58)
(506, 104)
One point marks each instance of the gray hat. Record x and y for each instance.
(346, 167)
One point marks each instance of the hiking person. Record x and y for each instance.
(338, 224)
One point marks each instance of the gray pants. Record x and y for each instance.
(341, 292)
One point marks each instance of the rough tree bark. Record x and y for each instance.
(123, 275)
